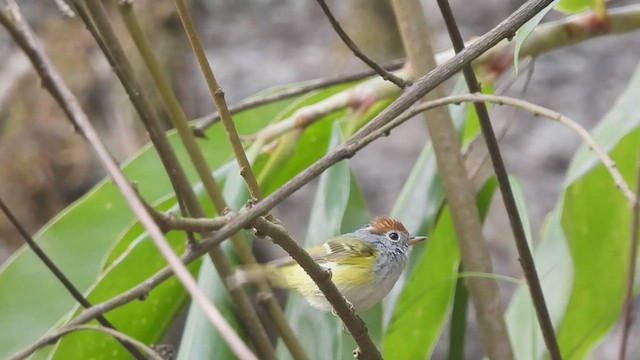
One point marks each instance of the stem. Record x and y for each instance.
(180, 122)
(526, 259)
(401, 83)
(627, 309)
(458, 327)
(474, 251)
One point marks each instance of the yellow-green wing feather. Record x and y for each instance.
(351, 261)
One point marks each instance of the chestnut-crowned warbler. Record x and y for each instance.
(364, 264)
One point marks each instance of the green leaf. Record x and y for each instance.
(580, 259)
(424, 303)
(575, 6)
(525, 30)
(321, 333)
(297, 151)
(596, 221)
(79, 238)
(199, 339)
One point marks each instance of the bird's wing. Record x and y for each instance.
(342, 250)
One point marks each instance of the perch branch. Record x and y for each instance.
(241, 247)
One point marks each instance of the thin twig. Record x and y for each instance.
(218, 98)
(57, 334)
(322, 278)
(240, 246)
(55, 270)
(520, 238)
(59, 91)
(346, 150)
(311, 85)
(632, 257)
(401, 83)
(537, 110)
(474, 251)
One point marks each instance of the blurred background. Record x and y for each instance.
(254, 45)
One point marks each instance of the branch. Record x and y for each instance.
(537, 110)
(57, 334)
(322, 278)
(53, 83)
(474, 250)
(520, 238)
(288, 92)
(399, 82)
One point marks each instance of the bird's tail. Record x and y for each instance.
(255, 273)
(247, 274)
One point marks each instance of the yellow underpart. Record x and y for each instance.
(347, 273)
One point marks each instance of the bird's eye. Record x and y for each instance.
(393, 236)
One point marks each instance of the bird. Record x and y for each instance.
(364, 264)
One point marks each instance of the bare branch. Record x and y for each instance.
(57, 334)
(401, 83)
(494, 62)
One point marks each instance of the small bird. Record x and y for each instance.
(364, 264)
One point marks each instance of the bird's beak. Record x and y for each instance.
(416, 239)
